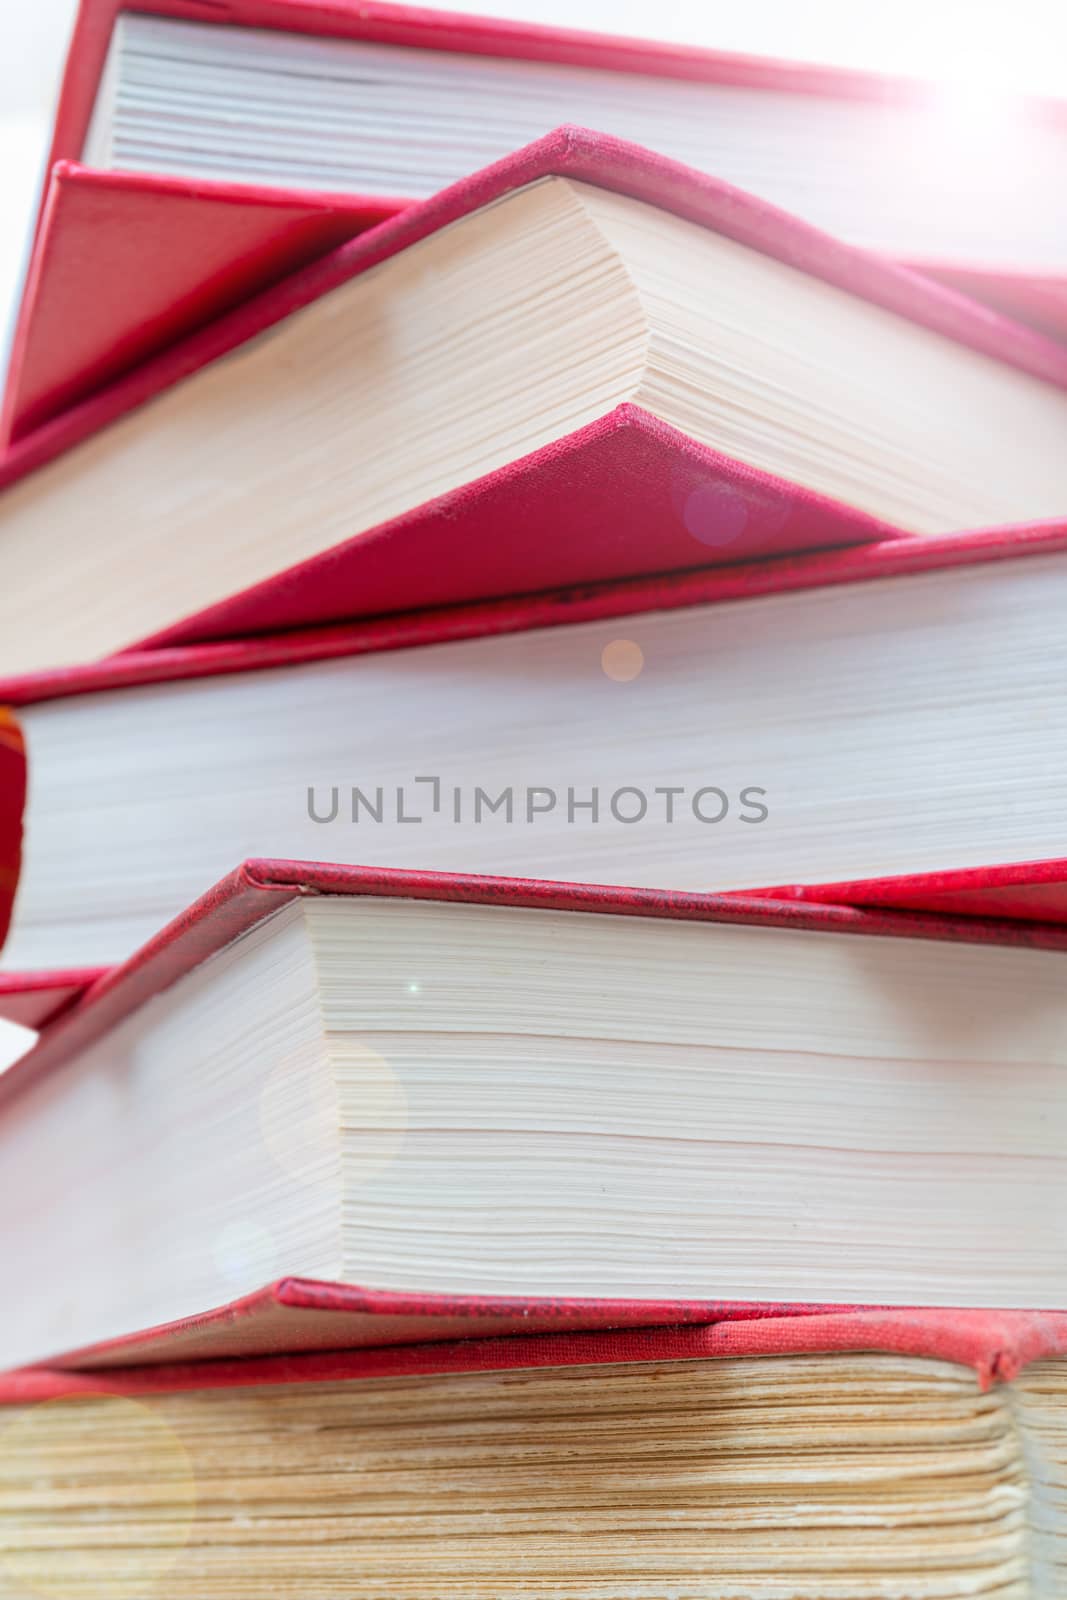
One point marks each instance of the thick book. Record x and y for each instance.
(476, 1086)
(198, 151)
(560, 370)
(882, 723)
(864, 1453)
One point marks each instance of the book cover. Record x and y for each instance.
(389, 1335)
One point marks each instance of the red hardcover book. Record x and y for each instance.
(297, 1313)
(39, 984)
(257, 889)
(297, 1316)
(621, 495)
(858, 1452)
(184, 249)
(382, 1335)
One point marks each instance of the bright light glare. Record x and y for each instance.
(983, 51)
(1016, 47)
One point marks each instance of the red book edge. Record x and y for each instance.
(258, 888)
(1036, 297)
(1036, 890)
(1030, 892)
(900, 557)
(997, 1345)
(608, 501)
(12, 806)
(300, 1315)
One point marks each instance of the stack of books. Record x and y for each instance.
(536, 679)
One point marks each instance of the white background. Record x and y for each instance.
(985, 46)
